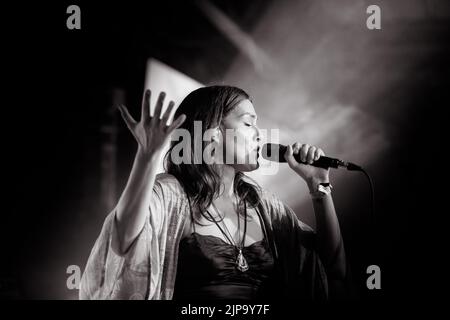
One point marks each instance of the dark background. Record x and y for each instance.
(58, 87)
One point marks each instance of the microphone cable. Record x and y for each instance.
(353, 167)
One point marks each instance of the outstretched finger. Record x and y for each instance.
(176, 123)
(145, 112)
(166, 114)
(159, 105)
(129, 121)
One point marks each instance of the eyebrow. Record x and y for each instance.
(248, 114)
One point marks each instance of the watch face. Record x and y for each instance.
(323, 189)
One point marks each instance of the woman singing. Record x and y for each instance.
(203, 229)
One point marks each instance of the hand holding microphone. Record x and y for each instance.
(307, 161)
(314, 158)
(276, 152)
(313, 175)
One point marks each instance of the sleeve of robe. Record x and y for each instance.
(301, 274)
(135, 274)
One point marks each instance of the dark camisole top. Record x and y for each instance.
(207, 270)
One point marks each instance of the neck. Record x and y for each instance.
(227, 174)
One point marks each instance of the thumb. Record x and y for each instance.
(289, 156)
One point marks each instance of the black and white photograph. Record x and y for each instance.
(225, 155)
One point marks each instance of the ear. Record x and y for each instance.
(216, 135)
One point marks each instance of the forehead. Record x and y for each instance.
(245, 107)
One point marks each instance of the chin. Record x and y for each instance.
(247, 167)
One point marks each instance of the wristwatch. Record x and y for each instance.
(322, 190)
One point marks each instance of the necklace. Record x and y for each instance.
(241, 262)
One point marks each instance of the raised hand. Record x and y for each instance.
(151, 132)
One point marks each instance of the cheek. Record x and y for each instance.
(239, 141)
(242, 141)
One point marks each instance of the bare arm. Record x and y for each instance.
(330, 245)
(151, 134)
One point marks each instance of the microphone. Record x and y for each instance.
(275, 152)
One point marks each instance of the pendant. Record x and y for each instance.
(241, 263)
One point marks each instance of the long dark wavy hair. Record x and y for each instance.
(201, 182)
